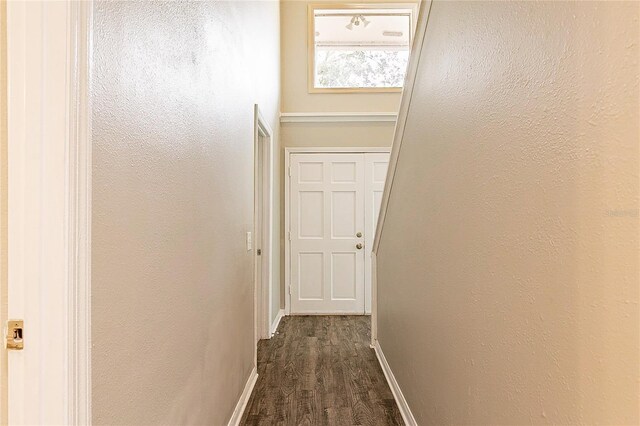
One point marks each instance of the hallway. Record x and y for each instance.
(320, 370)
(293, 212)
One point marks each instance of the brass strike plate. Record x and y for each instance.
(14, 338)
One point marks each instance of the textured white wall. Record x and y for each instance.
(173, 90)
(508, 265)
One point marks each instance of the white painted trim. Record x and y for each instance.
(244, 398)
(337, 117)
(79, 211)
(337, 150)
(287, 190)
(49, 160)
(374, 298)
(276, 322)
(287, 232)
(350, 313)
(263, 299)
(403, 406)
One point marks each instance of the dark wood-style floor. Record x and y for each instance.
(320, 370)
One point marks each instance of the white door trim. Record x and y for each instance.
(79, 218)
(264, 294)
(405, 103)
(49, 160)
(287, 203)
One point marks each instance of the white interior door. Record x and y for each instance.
(263, 231)
(327, 214)
(376, 165)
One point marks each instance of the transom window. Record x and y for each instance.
(359, 47)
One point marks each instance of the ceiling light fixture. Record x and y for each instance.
(357, 20)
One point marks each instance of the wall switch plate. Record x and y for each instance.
(249, 242)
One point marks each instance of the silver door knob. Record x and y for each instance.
(359, 234)
(359, 246)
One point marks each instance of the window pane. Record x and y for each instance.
(360, 68)
(361, 47)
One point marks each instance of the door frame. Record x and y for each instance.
(49, 209)
(287, 194)
(262, 133)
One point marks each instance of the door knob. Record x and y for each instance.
(359, 246)
(359, 234)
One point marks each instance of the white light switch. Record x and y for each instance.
(248, 241)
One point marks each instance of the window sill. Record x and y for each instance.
(315, 90)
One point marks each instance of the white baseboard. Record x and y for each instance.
(407, 415)
(276, 321)
(244, 398)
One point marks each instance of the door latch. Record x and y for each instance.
(14, 335)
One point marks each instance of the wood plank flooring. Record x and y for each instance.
(320, 370)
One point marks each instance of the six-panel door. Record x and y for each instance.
(332, 209)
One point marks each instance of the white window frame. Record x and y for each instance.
(311, 50)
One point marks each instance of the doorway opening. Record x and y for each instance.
(263, 229)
